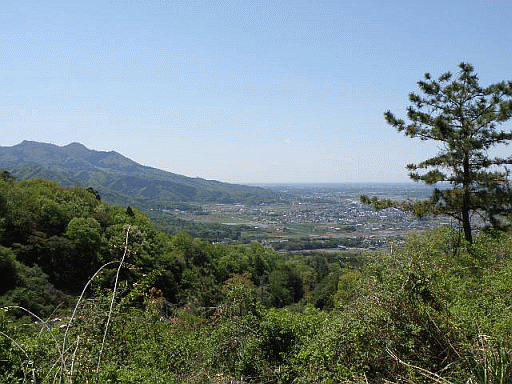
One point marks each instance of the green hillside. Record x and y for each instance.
(118, 179)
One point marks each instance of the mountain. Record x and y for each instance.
(118, 179)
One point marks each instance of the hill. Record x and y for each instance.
(118, 179)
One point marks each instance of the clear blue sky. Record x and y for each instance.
(240, 91)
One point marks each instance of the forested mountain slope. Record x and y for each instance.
(118, 179)
(53, 239)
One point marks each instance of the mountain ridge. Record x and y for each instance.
(118, 178)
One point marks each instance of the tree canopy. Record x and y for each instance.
(463, 117)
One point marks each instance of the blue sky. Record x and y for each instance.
(240, 91)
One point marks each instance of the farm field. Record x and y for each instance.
(324, 216)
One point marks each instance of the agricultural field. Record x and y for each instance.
(323, 216)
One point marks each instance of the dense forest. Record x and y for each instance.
(92, 292)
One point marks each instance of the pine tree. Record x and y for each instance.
(463, 118)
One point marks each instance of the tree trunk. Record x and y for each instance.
(466, 203)
(466, 223)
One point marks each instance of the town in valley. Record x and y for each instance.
(322, 216)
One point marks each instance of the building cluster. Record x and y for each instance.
(328, 211)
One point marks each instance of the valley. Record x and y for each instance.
(319, 217)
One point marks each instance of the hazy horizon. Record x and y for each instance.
(238, 91)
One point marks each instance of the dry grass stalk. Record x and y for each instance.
(113, 297)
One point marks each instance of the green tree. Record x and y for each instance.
(8, 270)
(7, 176)
(462, 117)
(82, 260)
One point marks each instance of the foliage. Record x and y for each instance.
(490, 362)
(154, 307)
(217, 232)
(306, 243)
(462, 117)
(8, 270)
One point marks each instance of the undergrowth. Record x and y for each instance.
(436, 311)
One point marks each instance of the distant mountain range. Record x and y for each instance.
(120, 180)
